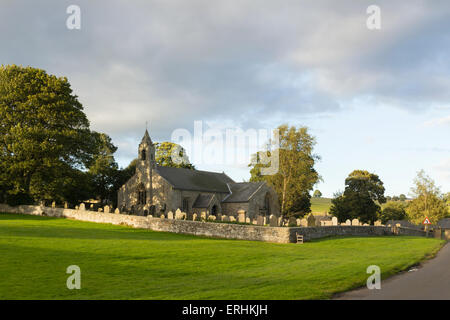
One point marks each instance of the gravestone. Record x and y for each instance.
(247, 220)
(219, 216)
(53, 204)
(162, 216)
(225, 218)
(232, 219)
(260, 220)
(334, 221)
(348, 222)
(355, 222)
(378, 223)
(66, 205)
(100, 210)
(117, 211)
(170, 215)
(82, 206)
(304, 222)
(241, 216)
(179, 215)
(203, 215)
(106, 209)
(91, 207)
(292, 221)
(273, 220)
(311, 220)
(298, 222)
(212, 218)
(194, 217)
(255, 222)
(76, 207)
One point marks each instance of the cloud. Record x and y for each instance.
(443, 169)
(444, 121)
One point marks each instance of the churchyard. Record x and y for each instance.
(120, 262)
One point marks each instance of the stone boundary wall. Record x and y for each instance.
(211, 229)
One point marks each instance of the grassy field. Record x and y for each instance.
(320, 205)
(119, 262)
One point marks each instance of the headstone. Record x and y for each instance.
(179, 215)
(162, 216)
(106, 209)
(255, 221)
(232, 219)
(273, 221)
(365, 224)
(304, 222)
(355, 222)
(117, 211)
(53, 204)
(219, 216)
(378, 223)
(348, 222)
(241, 216)
(298, 222)
(76, 207)
(194, 217)
(247, 220)
(66, 205)
(170, 215)
(91, 207)
(225, 219)
(260, 220)
(82, 206)
(100, 210)
(292, 221)
(203, 215)
(334, 221)
(212, 218)
(311, 220)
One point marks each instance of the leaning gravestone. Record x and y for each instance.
(82, 206)
(232, 219)
(334, 221)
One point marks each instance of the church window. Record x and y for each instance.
(143, 155)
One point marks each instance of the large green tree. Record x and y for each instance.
(45, 139)
(363, 193)
(296, 175)
(393, 210)
(427, 200)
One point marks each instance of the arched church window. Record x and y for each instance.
(141, 195)
(267, 203)
(143, 155)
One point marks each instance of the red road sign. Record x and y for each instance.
(426, 221)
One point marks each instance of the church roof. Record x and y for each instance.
(195, 180)
(242, 191)
(203, 201)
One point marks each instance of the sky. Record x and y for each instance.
(374, 99)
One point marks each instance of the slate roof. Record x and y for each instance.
(203, 201)
(242, 191)
(444, 223)
(195, 180)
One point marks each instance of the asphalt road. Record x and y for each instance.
(429, 281)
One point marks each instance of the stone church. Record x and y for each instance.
(157, 190)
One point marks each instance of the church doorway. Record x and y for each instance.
(214, 210)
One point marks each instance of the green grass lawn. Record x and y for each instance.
(320, 205)
(119, 262)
